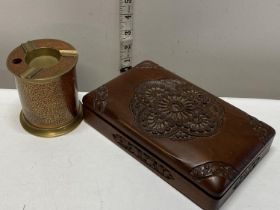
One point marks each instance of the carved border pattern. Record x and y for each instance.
(100, 99)
(144, 157)
(215, 168)
(247, 171)
(176, 110)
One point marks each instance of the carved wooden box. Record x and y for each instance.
(198, 143)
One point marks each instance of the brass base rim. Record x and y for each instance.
(53, 132)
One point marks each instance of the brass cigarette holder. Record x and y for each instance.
(45, 77)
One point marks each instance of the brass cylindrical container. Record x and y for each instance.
(45, 77)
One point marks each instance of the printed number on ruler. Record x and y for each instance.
(126, 34)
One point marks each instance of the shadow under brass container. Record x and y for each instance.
(45, 77)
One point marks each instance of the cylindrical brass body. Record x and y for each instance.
(46, 81)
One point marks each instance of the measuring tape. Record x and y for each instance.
(126, 34)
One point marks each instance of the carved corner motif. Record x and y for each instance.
(176, 110)
(143, 156)
(100, 99)
(259, 128)
(147, 65)
(215, 168)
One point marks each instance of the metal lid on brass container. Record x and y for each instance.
(46, 81)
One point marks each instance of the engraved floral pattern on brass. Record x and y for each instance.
(45, 76)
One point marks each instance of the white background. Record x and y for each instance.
(229, 47)
(85, 171)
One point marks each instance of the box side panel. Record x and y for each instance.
(166, 173)
(251, 166)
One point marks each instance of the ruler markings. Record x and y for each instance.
(126, 34)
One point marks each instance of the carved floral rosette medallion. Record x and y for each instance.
(175, 110)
